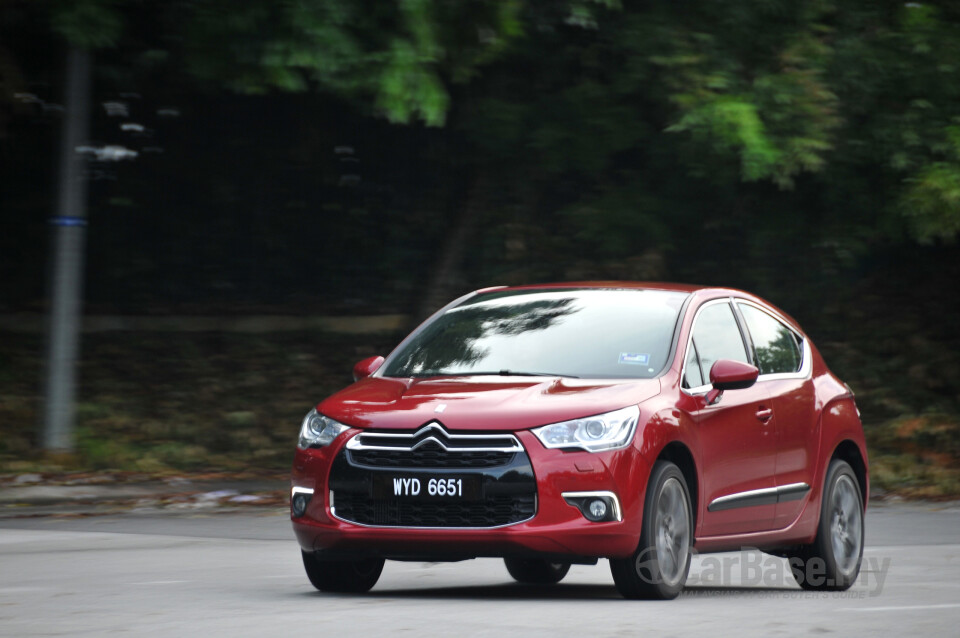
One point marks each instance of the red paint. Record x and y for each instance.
(365, 368)
(775, 432)
(733, 375)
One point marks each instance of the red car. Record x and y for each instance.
(564, 423)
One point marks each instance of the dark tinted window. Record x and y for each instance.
(717, 336)
(582, 333)
(776, 345)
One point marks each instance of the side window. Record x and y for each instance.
(717, 336)
(778, 350)
(692, 378)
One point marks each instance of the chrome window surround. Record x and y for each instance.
(806, 353)
(434, 431)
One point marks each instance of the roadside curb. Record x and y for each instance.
(181, 494)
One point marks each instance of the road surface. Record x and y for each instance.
(155, 574)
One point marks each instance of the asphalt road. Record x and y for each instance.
(144, 574)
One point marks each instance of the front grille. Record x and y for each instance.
(502, 489)
(491, 512)
(430, 455)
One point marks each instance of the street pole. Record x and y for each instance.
(68, 237)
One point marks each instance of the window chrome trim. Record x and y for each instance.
(703, 389)
(333, 513)
(447, 440)
(617, 514)
(764, 496)
(806, 353)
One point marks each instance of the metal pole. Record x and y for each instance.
(67, 273)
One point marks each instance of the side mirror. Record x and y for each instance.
(727, 374)
(367, 367)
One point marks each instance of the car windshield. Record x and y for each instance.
(585, 333)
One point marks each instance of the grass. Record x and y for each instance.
(173, 402)
(916, 456)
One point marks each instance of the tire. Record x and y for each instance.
(535, 571)
(658, 568)
(343, 576)
(832, 561)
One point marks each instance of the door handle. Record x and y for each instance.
(764, 414)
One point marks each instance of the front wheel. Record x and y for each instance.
(832, 561)
(344, 576)
(658, 568)
(535, 571)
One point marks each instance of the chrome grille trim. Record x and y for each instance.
(435, 432)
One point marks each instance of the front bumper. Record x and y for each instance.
(556, 529)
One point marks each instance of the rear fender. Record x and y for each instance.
(841, 436)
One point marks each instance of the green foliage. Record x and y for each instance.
(396, 57)
(752, 91)
(932, 201)
(761, 96)
(88, 24)
(895, 72)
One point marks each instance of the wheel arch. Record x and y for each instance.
(841, 436)
(679, 454)
(847, 450)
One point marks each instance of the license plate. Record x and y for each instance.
(450, 488)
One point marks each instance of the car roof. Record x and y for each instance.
(703, 292)
(609, 285)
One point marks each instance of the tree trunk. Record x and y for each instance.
(67, 260)
(447, 281)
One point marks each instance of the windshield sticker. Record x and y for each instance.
(634, 358)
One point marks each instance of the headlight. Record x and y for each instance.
(595, 433)
(318, 430)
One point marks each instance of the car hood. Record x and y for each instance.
(481, 403)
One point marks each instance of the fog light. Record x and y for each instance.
(596, 510)
(596, 507)
(299, 501)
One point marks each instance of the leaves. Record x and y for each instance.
(88, 24)
(932, 201)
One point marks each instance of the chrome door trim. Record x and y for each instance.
(764, 496)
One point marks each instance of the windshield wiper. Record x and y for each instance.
(518, 373)
(500, 373)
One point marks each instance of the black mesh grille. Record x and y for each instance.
(499, 487)
(491, 512)
(431, 456)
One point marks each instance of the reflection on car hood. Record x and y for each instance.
(479, 402)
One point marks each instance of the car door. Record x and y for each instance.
(737, 433)
(783, 357)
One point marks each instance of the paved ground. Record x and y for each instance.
(211, 574)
